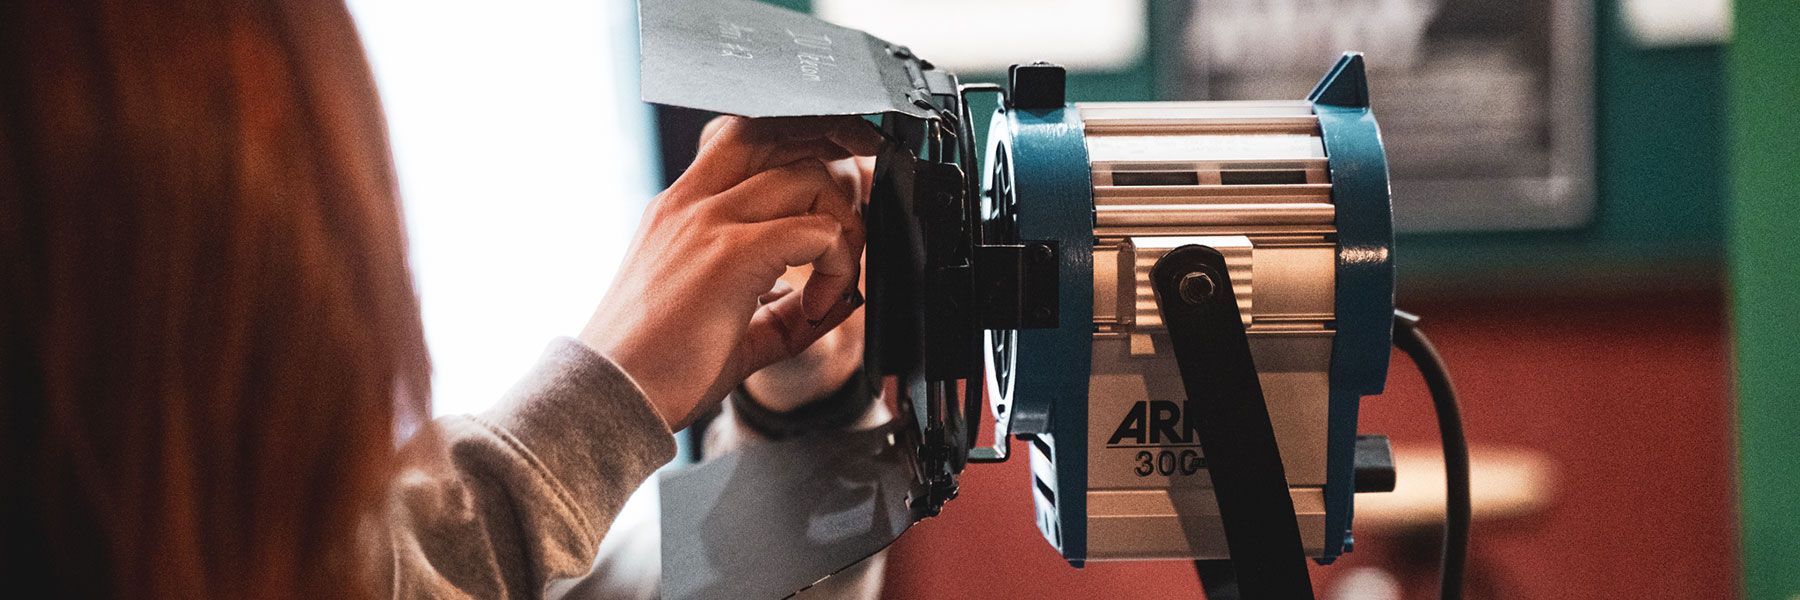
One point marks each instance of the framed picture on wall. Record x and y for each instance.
(1486, 108)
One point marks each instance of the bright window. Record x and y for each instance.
(524, 159)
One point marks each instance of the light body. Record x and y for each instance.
(1305, 226)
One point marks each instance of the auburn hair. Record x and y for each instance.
(209, 339)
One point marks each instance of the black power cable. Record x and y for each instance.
(1409, 339)
(1216, 575)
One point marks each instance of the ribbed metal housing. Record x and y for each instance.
(1251, 180)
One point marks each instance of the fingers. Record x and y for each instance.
(790, 241)
(865, 172)
(711, 129)
(830, 240)
(781, 290)
(780, 330)
(833, 279)
(820, 150)
(795, 188)
(740, 148)
(855, 175)
(806, 187)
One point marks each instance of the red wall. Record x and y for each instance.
(1628, 394)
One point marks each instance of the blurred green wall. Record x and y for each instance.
(1659, 136)
(1765, 273)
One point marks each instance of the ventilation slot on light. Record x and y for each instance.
(1044, 488)
(1260, 177)
(1044, 447)
(1157, 178)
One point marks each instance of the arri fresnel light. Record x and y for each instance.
(1175, 307)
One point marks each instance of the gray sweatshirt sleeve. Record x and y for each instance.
(520, 495)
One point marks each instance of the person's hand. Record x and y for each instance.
(820, 370)
(828, 363)
(682, 317)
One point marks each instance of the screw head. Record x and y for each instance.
(1197, 287)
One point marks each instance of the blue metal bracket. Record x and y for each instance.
(1365, 277)
(1052, 367)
